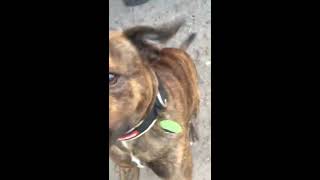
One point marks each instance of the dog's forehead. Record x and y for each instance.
(123, 56)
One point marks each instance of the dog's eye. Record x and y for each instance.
(112, 78)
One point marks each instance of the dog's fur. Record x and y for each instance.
(135, 61)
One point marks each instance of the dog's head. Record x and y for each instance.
(132, 82)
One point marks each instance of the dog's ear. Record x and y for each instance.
(143, 36)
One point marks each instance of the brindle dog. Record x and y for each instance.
(137, 67)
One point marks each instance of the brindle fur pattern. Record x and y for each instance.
(136, 60)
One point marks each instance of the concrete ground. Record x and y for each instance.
(198, 16)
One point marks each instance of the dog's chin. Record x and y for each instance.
(115, 134)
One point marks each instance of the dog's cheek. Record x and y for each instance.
(112, 113)
(117, 113)
(138, 96)
(119, 104)
(121, 111)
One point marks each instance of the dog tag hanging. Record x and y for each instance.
(170, 126)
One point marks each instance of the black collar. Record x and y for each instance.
(146, 124)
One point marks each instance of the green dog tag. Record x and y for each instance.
(171, 126)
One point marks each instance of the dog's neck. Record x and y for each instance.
(150, 119)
